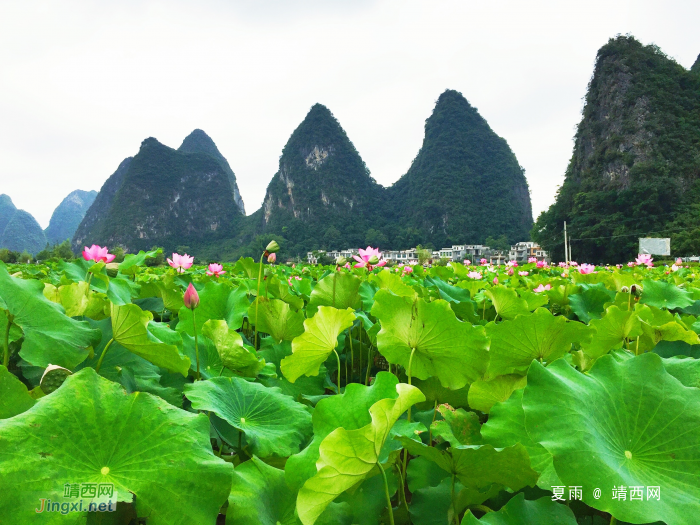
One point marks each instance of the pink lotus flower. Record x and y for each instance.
(467, 262)
(191, 297)
(586, 268)
(630, 264)
(272, 258)
(541, 288)
(97, 254)
(532, 259)
(510, 271)
(495, 280)
(644, 258)
(563, 265)
(483, 262)
(542, 264)
(674, 267)
(573, 263)
(215, 269)
(512, 263)
(679, 262)
(363, 261)
(181, 262)
(474, 275)
(407, 270)
(523, 274)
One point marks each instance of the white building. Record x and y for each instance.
(522, 251)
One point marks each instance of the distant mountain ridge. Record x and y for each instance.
(67, 216)
(19, 230)
(635, 168)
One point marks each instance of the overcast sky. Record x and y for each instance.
(82, 83)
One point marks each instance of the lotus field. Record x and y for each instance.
(261, 393)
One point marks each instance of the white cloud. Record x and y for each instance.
(82, 83)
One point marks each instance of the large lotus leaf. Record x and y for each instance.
(611, 331)
(320, 337)
(685, 369)
(130, 264)
(350, 410)
(14, 396)
(216, 301)
(534, 300)
(50, 336)
(536, 336)
(73, 297)
(89, 431)
(458, 427)
(422, 472)
(480, 466)
(665, 295)
(449, 293)
(506, 427)
(660, 325)
(229, 345)
(210, 364)
(348, 456)
(368, 500)
(519, 511)
(170, 292)
(339, 289)
(624, 424)
(277, 318)
(453, 351)
(589, 303)
(259, 496)
(130, 329)
(484, 394)
(435, 393)
(273, 424)
(279, 289)
(506, 302)
(248, 267)
(387, 280)
(677, 348)
(433, 505)
(561, 293)
(273, 353)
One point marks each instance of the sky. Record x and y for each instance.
(82, 83)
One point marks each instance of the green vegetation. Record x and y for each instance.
(324, 396)
(19, 231)
(635, 170)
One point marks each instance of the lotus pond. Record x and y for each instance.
(281, 395)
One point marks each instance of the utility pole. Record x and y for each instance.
(566, 245)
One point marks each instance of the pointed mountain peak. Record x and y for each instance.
(319, 127)
(696, 67)
(6, 201)
(199, 142)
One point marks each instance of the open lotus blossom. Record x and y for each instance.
(483, 262)
(542, 288)
(586, 268)
(523, 274)
(407, 270)
(542, 264)
(181, 262)
(532, 259)
(474, 275)
(97, 254)
(364, 260)
(631, 263)
(191, 297)
(644, 258)
(573, 263)
(512, 263)
(563, 265)
(215, 269)
(679, 262)
(674, 267)
(467, 262)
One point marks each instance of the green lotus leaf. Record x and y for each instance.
(506, 427)
(121, 291)
(435, 393)
(433, 505)
(273, 353)
(14, 396)
(368, 500)
(534, 300)
(339, 290)
(130, 264)
(519, 511)
(685, 369)
(386, 280)
(89, 431)
(350, 410)
(276, 318)
(676, 348)
(623, 424)
(589, 303)
(216, 301)
(484, 394)
(480, 466)
(506, 302)
(130, 329)
(273, 424)
(259, 496)
(561, 293)
(665, 295)
(348, 456)
(440, 345)
(611, 331)
(210, 364)
(170, 292)
(535, 336)
(73, 297)
(458, 428)
(50, 336)
(320, 337)
(422, 472)
(451, 294)
(229, 345)
(280, 289)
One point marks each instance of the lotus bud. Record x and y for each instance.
(340, 261)
(272, 247)
(272, 258)
(625, 289)
(191, 297)
(373, 260)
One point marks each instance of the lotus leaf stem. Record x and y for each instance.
(257, 302)
(6, 347)
(338, 359)
(196, 346)
(454, 506)
(104, 353)
(386, 491)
